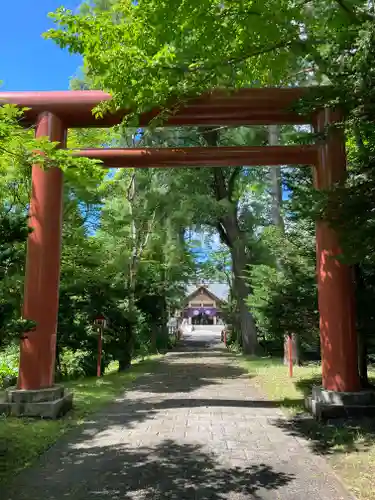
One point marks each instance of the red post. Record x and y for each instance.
(41, 294)
(335, 284)
(290, 355)
(100, 348)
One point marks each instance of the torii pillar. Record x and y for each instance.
(41, 300)
(335, 280)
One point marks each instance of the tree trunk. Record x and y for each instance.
(362, 360)
(230, 235)
(275, 182)
(124, 362)
(126, 351)
(246, 320)
(154, 335)
(164, 331)
(361, 293)
(241, 289)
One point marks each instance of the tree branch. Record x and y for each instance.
(243, 57)
(232, 182)
(220, 188)
(223, 235)
(211, 136)
(130, 192)
(357, 18)
(346, 9)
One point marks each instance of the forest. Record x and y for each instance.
(130, 237)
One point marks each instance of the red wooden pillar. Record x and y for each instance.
(41, 293)
(335, 280)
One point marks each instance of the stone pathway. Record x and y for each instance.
(193, 429)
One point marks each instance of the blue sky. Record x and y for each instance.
(27, 61)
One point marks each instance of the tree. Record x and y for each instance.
(346, 64)
(19, 150)
(140, 235)
(167, 55)
(214, 199)
(133, 277)
(13, 234)
(177, 66)
(284, 298)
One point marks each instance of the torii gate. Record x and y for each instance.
(53, 113)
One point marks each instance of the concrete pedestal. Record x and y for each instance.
(53, 402)
(325, 404)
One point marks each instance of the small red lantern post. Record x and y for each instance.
(100, 322)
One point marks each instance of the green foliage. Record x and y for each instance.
(13, 234)
(19, 150)
(284, 293)
(9, 358)
(95, 265)
(133, 265)
(149, 51)
(80, 363)
(24, 440)
(94, 281)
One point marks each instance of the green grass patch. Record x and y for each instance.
(348, 446)
(272, 376)
(23, 440)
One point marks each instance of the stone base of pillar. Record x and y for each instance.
(324, 404)
(52, 403)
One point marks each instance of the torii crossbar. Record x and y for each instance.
(52, 113)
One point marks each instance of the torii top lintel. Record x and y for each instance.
(250, 106)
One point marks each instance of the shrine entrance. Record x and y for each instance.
(53, 113)
(202, 319)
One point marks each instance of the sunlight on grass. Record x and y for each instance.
(349, 447)
(272, 376)
(23, 440)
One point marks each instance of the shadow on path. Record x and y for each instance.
(168, 470)
(164, 441)
(118, 415)
(331, 437)
(338, 436)
(174, 377)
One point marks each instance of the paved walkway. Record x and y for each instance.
(193, 429)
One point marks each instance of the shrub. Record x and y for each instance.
(80, 363)
(9, 360)
(284, 298)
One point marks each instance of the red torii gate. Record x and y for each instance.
(53, 113)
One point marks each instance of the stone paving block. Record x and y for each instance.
(196, 429)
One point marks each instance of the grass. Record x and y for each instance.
(23, 440)
(348, 446)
